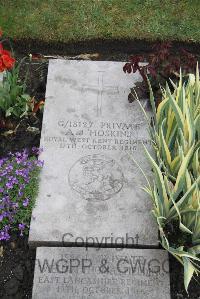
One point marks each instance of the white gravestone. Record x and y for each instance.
(90, 186)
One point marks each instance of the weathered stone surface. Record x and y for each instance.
(77, 273)
(90, 185)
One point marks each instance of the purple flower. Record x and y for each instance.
(10, 216)
(6, 200)
(3, 173)
(9, 185)
(15, 205)
(15, 181)
(26, 202)
(27, 180)
(39, 163)
(20, 193)
(37, 151)
(1, 190)
(4, 235)
(11, 181)
(22, 172)
(19, 172)
(2, 161)
(21, 157)
(9, 168)
(21, 228)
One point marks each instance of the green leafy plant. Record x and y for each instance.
(14, 101)
(175, 193)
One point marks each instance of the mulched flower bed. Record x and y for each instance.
(16, 258)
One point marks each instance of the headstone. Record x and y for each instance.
(77, 273)
(90, 189)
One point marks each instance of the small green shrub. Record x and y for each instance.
(175, 193)
(14, 101)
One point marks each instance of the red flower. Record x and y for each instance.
(1, 66)
(6, 60)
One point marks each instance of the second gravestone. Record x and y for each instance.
(77, 273)
(90, 190)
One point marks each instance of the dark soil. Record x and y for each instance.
(17, 269)
(17, 259)
(105, 47)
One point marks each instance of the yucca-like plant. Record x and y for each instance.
(175, 132)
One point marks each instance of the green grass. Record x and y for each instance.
(75, 20)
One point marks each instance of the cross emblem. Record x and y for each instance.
(100, 88)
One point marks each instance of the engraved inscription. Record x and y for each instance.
(99, 135)
(101, 275)
(100, 89)
(96, 177)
